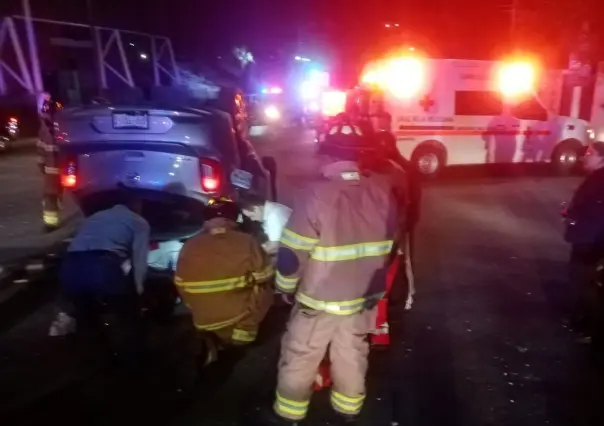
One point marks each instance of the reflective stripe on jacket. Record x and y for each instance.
(334, 251)
(218, 272)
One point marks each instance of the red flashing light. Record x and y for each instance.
(69, 181)
(210, 176)
(13, 120)
(69, 173)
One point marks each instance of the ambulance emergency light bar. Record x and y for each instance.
(272, 90)
(404, 77)
(333, 102)
(517, 78)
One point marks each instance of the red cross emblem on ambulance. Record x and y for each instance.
(427, 103)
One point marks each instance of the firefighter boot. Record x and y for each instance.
(50, 214)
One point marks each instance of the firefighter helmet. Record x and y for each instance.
(347, 139)
(222, 207)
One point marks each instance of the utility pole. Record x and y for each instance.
(33, 47)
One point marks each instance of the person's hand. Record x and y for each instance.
(288, 299)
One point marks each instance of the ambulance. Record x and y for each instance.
(467, 112)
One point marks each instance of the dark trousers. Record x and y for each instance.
(105, 304)
(589, 299)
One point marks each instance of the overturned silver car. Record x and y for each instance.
(175, 158)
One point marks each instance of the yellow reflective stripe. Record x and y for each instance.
(296, 241)
(345, 404)
(347, 307)
(352, 251)
(50, 218)
(51, 170)
(219, 325)
(264, 275)
(293, 410)
(244, 336)
(285, 284)
(211, 286)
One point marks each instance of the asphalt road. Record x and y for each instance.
(485, 344)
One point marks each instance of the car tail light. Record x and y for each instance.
(211, 179)
(69, 174)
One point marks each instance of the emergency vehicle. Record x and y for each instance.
(462, 112)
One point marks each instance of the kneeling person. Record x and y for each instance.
(224, 277)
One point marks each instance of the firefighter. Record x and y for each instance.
(224, 277)
(333, 261)
(48, 160)
(400, 273)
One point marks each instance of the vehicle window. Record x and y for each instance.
(530, 109)
(478, 103)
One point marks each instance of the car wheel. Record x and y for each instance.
(566, 157)
(428, 161)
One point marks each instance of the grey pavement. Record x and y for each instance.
(485, 344)
(21, 231)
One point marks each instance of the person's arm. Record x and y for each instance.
(140, 252)
(274, 225)
(299, 238)
(262, 269)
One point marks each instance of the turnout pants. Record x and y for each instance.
(380, 335)
(245, 329)
(310, 335)
(51, 201)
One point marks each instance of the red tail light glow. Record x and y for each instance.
(69, 177)
(211, 180)
(69, 181)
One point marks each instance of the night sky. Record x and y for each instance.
(341, 33)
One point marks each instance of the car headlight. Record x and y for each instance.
(591, 134)
(272, 113)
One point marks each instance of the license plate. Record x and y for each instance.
(241, 179)
(136, 120)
